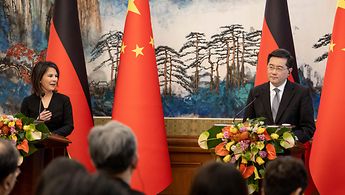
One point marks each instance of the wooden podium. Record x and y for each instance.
(32, 166)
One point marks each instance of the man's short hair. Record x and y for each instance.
(9, 156)
(282, 53)
(112, 147)
(285, 175)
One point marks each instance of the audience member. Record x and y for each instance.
(81, 183)
(9, 158)
(113, 149)
(285, 175)
(60, 166)
(216, 178)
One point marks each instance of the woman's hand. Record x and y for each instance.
(45, 115)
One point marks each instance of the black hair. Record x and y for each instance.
(285, 175)
(282, 53)
(216, 178)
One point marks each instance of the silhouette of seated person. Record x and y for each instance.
(285, 175)
(9, 171)
(113, 150)
(216, 178)
(59, 167)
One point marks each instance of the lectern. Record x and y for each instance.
(33, 165)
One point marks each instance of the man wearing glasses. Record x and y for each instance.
(9, 157)
(281, 101)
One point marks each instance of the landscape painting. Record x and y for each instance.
(206, 50)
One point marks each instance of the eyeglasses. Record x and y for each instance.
(271, 68)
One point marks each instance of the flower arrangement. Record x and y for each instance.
(23, 132)
(248, 145)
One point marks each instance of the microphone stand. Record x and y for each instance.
(238, 113)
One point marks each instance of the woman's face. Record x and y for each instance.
(49, 80)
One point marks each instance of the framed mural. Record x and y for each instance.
(192, 57)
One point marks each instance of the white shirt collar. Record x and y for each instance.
(281, 87)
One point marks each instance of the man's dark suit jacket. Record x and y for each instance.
(296, 108)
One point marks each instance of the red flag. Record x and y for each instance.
(327, 159)
(137, 101)
(66, 50)
(276, 33)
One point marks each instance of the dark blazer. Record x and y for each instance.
(61, 122)
(296, 108)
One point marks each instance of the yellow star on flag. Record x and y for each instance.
(343, 49)
(123, 46)
(331, 46)
(132, 7)
(151, 41)
(138, 50)
(341, 4)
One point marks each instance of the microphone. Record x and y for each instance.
(249, 104)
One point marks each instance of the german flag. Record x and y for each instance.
(66, 50)
(276, 33)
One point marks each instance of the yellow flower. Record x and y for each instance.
(11, 124)
(274, 136)
(259, 160)
(227, 158)
(14, 137)
(244, 161)
(256, 173)
(260, 145)
(233, 130)
(26, 127)
(220, 135)
(229, 144)
(261, 130)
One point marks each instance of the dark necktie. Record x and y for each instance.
(275, 104)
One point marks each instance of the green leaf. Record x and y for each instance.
(282, 130)
(211, 143)
(247, 156)
(279, 149)
(271, 129)
(212, 140)
(262, 172)
(214, 131)
(32, 149)
(25, 120)
(42, 128)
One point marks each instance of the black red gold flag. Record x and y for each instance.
(66, 50)
(276, 33)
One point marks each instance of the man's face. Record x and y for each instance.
(277, 71)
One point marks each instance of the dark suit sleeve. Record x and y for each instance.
(67, 126)
(306, 127)
(250, 111)
(24, 108)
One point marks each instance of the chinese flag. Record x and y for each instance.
(276, 33)
(137, 100)
(66, 50)
(327, 159)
